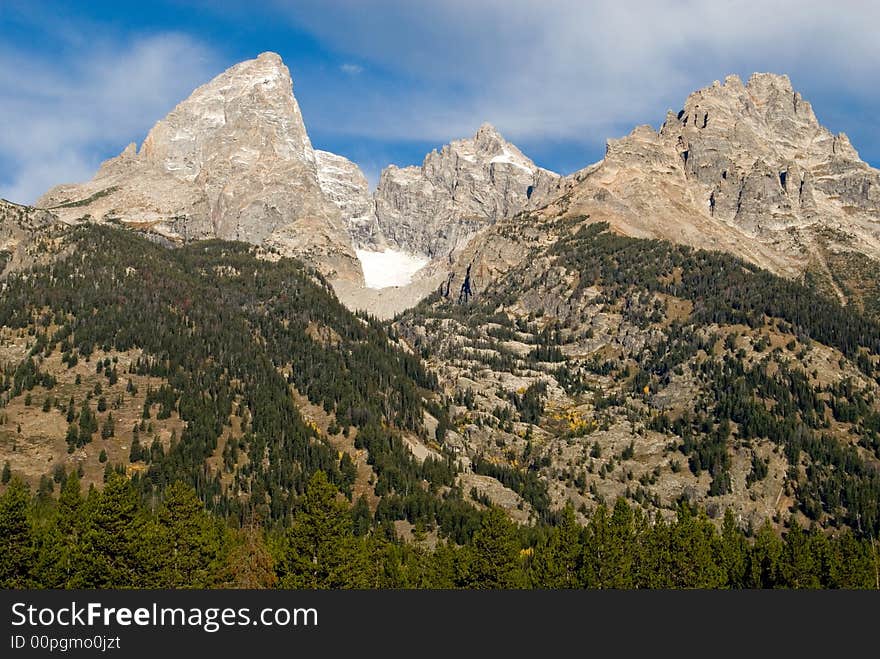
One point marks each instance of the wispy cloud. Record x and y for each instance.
(584, 71)
(60, 115)
(351, 69)
(393, 77)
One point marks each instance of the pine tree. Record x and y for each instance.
(558, 562)
(7, 473)
(135, 453)
(59, 552)
(799, 567)
(493, 560)
(322, 551)
(16, 537)
(88, 424)
(764, 558)
(361, 516)
(109, 427)
(695, 551)
(609, 548)
(112, 537)
(654, 567)
(192, 542)
(445, 567)
(734, 551)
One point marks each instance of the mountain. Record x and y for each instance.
(692, 318)
(692, 321)
(467, 185)
(233, 161)
(746, 169)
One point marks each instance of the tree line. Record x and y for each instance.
(110, 539)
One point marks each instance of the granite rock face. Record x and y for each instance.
(232, 161)
(467, 185)
(345, 185)
(763, 156)
(24, 236)
(745, 168)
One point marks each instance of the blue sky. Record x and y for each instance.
(385, 81)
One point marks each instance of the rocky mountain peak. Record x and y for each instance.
(466, 185)
(765, 117)
(745, 168)
(254, 97)
(487, 139)
(232, 161)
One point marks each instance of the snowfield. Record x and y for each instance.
(389, 267)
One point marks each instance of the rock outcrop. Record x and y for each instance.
(232, 161)
(346, 186)
(467, 185)
(25, 233)
(742, 168)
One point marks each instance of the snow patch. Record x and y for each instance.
(510, 159)
(389, 267)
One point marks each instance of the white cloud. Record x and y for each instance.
(577, 70)
(351, 69)
(60, 116)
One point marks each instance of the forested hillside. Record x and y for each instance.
(616, 413)
(109, 539)
(223, 338)
(609, 366)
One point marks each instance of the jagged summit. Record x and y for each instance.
(745, 168)
(459, 189)
(254, 97)
(232, 161)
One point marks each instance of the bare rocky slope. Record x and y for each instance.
(467, 185)
(583, 349)
(232, 161)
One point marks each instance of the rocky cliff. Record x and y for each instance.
(345, 185)
(744, 168)
(232, 161)
(25, 236)
(465, 186)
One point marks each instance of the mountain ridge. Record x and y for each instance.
(665, 325)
